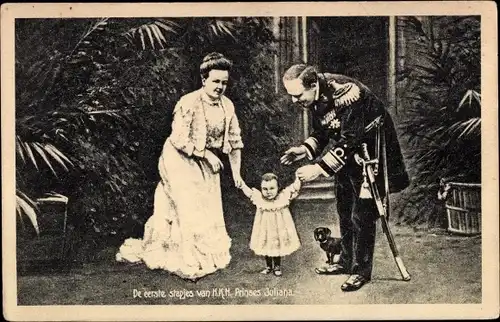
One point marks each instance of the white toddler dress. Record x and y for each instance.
(274, 233)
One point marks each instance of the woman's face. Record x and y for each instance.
(216, 83)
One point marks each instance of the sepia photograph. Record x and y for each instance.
(262, 159)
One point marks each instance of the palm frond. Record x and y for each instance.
(442, 122)
(98, 25)
(464, 128)
(468, 97)
(54, 197)
(168, 24)
(159, 35)
(225, 27)
(39, 148)
(26, 206)
(44, 150)
(164, 26)
(27, 147)
(19, 147)
(150, 35)
(154, 31)
(58, 156)
(141, 35)
(214, 30)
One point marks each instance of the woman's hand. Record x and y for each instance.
(235, 162)
(214, 161)
(238, 181)
(294, 154)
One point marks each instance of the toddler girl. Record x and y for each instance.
(273, 234)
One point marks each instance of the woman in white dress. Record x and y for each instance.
(186, 235)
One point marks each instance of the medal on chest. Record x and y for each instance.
(330, 121)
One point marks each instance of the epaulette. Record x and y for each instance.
(344, 94)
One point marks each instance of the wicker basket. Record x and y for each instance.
(463, 207)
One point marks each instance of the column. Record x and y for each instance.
(391, 74)
(305, 51)
(277, 58)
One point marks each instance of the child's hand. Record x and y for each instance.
(297, 178)
(297, 183)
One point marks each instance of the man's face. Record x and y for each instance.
(301, 95)
(269, 189)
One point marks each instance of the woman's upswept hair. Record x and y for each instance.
(307, 74)
(214, 61)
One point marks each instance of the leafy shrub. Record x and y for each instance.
(101, 92)
(442, 114)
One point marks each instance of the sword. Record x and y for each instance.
(383, 209)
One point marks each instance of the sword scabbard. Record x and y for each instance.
(383, 209)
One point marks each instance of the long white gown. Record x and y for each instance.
(186, 235)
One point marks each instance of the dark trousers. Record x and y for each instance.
(357, 225)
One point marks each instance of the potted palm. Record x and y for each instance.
(442, 120)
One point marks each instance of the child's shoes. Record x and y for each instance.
(276, 271)
(267, 270)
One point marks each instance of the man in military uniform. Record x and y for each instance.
(341, 108)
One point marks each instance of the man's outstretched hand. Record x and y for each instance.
(294, 154)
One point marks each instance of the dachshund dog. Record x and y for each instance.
(331, 245)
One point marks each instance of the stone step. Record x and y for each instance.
(316, 195)
(318, 185)
(321, 189)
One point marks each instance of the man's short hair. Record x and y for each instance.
(307, 74)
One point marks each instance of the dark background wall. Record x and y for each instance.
(357, 47)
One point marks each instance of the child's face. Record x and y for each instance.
(269, 189)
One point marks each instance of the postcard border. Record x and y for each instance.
(490, 239)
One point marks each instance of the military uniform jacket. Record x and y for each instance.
(343, 109)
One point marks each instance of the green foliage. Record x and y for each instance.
(442, 100)
(26, 206)
(94, 100)
(248, 42)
